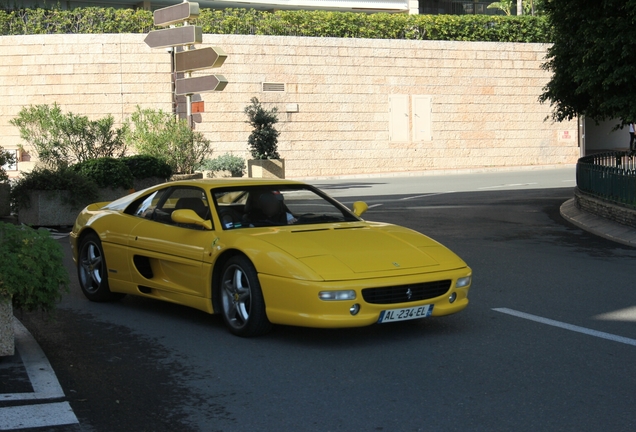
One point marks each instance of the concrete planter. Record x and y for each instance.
(266, 168)
(5, 205)
(49, 209)
(194, 176)
(219, 174)
(7, 339)
(139, 184)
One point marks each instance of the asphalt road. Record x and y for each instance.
(142, 365)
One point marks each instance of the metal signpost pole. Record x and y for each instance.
(190, 59)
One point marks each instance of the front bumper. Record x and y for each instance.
(296, 302)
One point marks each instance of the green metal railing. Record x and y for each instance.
(610, 176)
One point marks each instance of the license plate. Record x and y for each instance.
(404, 314)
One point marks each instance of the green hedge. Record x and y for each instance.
(286, 23)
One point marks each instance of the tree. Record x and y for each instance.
(263, 141)
(593, 60)
(158, 133)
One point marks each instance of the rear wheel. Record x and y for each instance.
(92, 271)
(242, 303)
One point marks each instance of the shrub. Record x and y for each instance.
(82, 189)
(286, 23)
(106, 172)
(159, 134)
(226, 162)
(144, 166)
(32, 270)
(61, 139)
(5, 159)
(263, 141)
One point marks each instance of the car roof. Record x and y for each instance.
(123, 202)
(234, 181)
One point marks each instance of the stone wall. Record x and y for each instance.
(349, 106)
(605, 209)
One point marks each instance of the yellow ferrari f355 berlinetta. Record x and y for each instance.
(262, 253)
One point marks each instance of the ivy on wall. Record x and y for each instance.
(285, 23)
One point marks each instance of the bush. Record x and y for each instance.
(144, 166)
(32, 270)
(81, 188)
(286, 23)
(159, 134)
(263, 141)
(106, 172)
(226, 162)
(61, 139)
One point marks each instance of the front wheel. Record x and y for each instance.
(92, 271)
(242, 303)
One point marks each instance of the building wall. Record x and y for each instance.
(482, 97)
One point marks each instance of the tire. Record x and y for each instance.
(242, 303)
(92, 271)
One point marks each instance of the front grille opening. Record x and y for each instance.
(406, 293)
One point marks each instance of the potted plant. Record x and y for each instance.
(32, 276)
(56, 190)
(226, 165)
(263, 142)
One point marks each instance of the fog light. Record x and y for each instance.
(354, 309)
(452, 297)
(337, 295)
(462, 282)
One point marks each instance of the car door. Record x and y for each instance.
(169, 257)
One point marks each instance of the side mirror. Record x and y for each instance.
(186, 216)
(359, 207)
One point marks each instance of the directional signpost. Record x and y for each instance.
(189, 59)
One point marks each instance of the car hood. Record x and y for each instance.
(363, 250)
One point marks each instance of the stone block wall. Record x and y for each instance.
(335, 116)
(605, 209)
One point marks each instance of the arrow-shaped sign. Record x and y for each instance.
(176, 13)
(202, 58)
(206, 83)
(176, 36)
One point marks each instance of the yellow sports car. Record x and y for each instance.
(262, 253)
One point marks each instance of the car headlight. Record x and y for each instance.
(337, 295)
(462, 282)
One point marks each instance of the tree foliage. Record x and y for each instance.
(593, 59)
(158, 133)
(263, 141)
(61, 139)
(6, 158)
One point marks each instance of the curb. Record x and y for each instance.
(597, 225)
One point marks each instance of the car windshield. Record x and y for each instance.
(277, 205)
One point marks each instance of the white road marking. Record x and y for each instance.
(425, 195)
(506, 185)
(566, 326)
(375, 205)
(34, 416)
(627, 314)
(43, 380)
(433, 207)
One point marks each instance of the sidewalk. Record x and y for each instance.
(597, 225)
(31, 396)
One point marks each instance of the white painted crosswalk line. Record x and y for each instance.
(33, 416)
